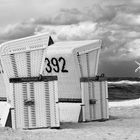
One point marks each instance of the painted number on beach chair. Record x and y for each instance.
(53, 64)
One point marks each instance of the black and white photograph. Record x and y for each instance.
(70, 70)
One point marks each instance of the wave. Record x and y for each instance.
(124, 90)
(124, 82)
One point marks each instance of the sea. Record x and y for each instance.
(119, 88)
(123, 88)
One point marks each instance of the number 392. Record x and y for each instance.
(55, 64)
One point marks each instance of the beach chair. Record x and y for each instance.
(71, 61)
(34, 97)
(95, 98)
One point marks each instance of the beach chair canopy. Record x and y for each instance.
(23, 57)
(70, 61)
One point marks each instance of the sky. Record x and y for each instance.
(115, 22)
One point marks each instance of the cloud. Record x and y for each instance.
(95, 13)
(16, 31)
(127, 19)
(133, 47)
(117, 24)
(80, 31)
(64, 17)
(118, 68)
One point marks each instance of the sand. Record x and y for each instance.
(124, 124)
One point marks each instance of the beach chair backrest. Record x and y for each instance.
(23, 57)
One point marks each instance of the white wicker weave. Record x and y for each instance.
(4, 85)
(34, 102)
(4, 111)
(43, 112)
(81, 59)
(98, 91)
(23, 57)
(25, 44)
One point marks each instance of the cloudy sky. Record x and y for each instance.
(116, 22)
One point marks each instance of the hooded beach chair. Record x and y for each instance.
(72, 61)
(34, 97)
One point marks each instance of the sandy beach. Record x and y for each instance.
(124, 124)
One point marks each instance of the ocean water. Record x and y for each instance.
(123, 90)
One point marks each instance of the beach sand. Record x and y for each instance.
(124, 124)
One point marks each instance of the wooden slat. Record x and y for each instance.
(33, 79)
(70, 100)
(90, 79)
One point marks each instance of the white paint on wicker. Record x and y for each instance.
(79, 55)
(99, 92)
(4, 111)
(23, 58)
